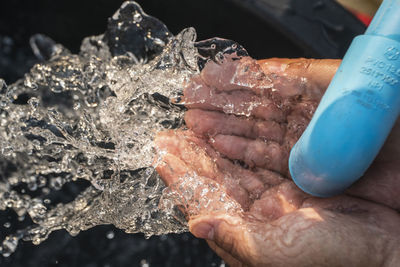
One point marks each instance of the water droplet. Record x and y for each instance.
(41, 181)
(137, 17)
(219, 57)
(77, 105)
(56, 183)
(34, 102)
(7, 151)
(37, 212)
(45, 190)
(144, 263)
(29, 83)
(9, 245)
(32, 185)
(110, 235)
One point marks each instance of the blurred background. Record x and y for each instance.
(266, 28)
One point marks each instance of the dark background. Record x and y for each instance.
(68, 22)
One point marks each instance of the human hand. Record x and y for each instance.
(229, 172)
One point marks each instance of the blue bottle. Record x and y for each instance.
(357, 112)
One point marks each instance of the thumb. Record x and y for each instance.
(230, 233)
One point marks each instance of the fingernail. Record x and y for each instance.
(203, 230)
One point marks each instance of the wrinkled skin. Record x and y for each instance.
(244, 116)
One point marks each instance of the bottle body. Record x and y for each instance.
(353, 119)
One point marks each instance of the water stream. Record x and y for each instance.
(92, 117)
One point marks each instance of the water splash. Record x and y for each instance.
(92, 117)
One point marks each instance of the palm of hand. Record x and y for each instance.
(252, 114)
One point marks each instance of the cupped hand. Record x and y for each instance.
(229, 171)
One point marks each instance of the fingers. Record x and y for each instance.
(269, 177)
(297, 122)
(255, 153)
(271, 78)
(236, 74)
(186, 149)
(265, 89)
(289, 76)
(317, 73)
(182, 155)
(208, 123)
(197, 95)
(247, 179)
(171, 168)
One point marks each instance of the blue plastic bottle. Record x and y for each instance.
(357, 112)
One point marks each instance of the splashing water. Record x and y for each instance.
(93, 117)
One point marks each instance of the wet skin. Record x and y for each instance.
(244, 116)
